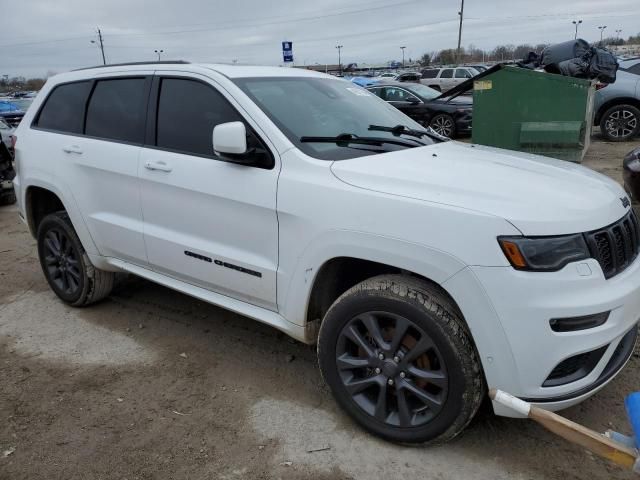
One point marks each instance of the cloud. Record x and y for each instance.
(41, 35)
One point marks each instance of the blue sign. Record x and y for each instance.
(287, 51)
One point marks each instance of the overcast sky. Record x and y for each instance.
(41, 36)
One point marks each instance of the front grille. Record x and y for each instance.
(615, 247)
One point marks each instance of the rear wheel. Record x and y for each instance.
(620, 123)
(400, 361)
(66, 265)
(444, 125)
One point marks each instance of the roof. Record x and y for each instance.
(231, 71)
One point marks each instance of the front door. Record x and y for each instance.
(207, 221)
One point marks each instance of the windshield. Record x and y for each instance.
(325, 107)
(423, 91)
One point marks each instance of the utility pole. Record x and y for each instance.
(461, 13)
(104, 61)
(339, 47)
(601, 28)
(402, 48)
(576, 23)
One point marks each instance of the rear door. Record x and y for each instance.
(96, 156)
(446, 79)
(208, 222)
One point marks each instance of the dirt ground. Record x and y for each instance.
(152, 384)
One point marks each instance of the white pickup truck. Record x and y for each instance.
(425, 271)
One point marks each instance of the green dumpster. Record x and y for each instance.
(537, 112)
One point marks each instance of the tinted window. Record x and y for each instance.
(377, 91)
(64, 109)
(462, 73)
(116, 110)
(187, 112)
(634, 69)
(429, 73)
(393, 94)
(447, 73)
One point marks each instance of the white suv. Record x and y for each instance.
(444, 79)
(425, 271)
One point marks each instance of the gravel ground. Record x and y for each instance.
(153, 384)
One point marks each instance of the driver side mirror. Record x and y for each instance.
(230, 141)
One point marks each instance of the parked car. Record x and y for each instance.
(6, 131)
(7, 173)
(425, 272)
(413, 77)
(631, 174)
(449, 117)
(478, 68)
(617, 105)
(10, 113)
(443, 79)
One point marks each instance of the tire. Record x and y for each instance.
(620, 123)
(66, 265)
(444, 124)
(442, 387)
(8, 198)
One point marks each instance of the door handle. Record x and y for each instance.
(159, 165)
(72, 149)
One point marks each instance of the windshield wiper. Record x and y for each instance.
(403, 130)
(347, 138)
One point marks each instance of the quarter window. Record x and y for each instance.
(116, 110)
(63, 110)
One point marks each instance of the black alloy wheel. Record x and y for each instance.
(620, 123)
(444, 125)
(392, 369)
(62, 262)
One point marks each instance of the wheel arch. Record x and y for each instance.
(612, 103)
(41, 199)
(337, 260)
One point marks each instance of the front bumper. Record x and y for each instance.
(522, 350)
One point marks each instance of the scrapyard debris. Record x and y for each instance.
(286, 464)
(319, 449)
(183, 355)
(8, 452)
(179, 413)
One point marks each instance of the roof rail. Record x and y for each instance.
(160, 62)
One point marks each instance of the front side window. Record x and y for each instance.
(63, 111)
(187, 113)
(189, 110)
(447, 73)
(116, 110)
(393, 94)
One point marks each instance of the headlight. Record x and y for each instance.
(544, 254)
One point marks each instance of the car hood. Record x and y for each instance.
(538, 195)
(461, 101)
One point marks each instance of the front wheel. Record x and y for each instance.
(400, 361)
(444, 125)
(620, 123)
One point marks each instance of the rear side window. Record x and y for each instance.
(116, 110)
(63, 110)
(429, 73)
(187, 112)
(447, 73)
